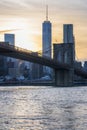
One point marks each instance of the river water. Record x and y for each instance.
(43, 108)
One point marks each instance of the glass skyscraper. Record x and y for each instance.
(68, 36)
(10, 38)
(46, 41)
(46, 36)
(68, 33)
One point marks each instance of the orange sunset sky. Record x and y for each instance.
(24, 18)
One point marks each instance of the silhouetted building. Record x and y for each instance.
(85, 65)
(68, 36)
(46, 41)
(78, 64)
(68, 33)
(37, 71)
(46, 36)
(3, 63)
(10, 64)
(10, 38)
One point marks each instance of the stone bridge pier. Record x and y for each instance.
(64, 53)
(64, 78)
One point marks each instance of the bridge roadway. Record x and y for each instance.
(24, 54)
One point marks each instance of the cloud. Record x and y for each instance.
(60, 12)
(19, 7)
(24, 8)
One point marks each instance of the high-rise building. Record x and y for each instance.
(68, 36)
(46, 36)
(3, 66)
(85, 65)
(63, 53)
(68, 33)
(10, 38)
(12, 68)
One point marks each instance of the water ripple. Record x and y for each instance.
(42, 108)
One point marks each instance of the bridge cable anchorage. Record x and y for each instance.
(29, 51)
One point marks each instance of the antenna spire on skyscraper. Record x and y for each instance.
(46, 12)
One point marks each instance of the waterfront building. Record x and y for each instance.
(36, 70)
(3, 64)
(12, 69)
(85, 65)
(46, 41)
(10, 39)
(77, 64)
(63, 53)
(68, 36)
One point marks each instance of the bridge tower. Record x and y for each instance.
(64, 53)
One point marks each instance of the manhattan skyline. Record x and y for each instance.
(24, 18)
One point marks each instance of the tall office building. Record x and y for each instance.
(46, 41)
(3, 66)
(12, 69)
(68, 36)
(68, 33)
(10, 38)
(85, 65)
(46, 36)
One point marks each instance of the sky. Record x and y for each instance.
(24, 18)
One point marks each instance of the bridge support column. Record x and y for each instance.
(64, 78)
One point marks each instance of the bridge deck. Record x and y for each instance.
(23, 54)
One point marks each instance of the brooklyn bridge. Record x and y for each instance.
(64, 72)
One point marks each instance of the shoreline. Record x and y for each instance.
(38, 84)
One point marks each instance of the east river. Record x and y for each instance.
(43, 108)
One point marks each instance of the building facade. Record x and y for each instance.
(46, 38)
(68, 33)
(10, 38)
(85, 65)
(13, 71)
(63, 53)
(3, 66)
(68, 36)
